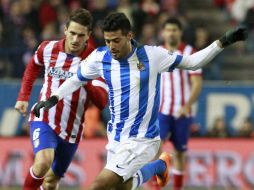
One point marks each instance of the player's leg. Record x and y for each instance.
(44, 142)
(106, 180)
(180, 140)
(64, 154)
(51, 181)
(124, 163)
(165, 122)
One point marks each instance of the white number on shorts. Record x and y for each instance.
(36, 134)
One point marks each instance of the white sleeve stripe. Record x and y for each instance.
(36, 60)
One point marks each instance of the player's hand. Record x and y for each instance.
(234, 35)
(184, 111)
(49, 103)
(21, 107)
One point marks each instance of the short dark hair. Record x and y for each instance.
(81, 16)
(174, 21)
(116, 21)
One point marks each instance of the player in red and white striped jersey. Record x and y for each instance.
(179, 91)
(177, 86)
(56, 133)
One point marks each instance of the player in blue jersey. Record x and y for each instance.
(132, 73)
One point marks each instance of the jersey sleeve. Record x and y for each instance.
(166, 60)
(30, 75)
(38, 55)
(97, 91)
(88, 68)
(196, 72)
(32, 71)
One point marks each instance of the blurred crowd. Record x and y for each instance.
(222, 129)
(239, 12)
(24, 24)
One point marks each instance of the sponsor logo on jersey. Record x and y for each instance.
(59, 73)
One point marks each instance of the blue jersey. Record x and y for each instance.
(134, 87)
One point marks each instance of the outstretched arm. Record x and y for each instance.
(86, 72)
(202, 57)
(68, 87)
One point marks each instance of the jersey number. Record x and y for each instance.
(36, 134)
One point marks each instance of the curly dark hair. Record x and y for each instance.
(81, 16)
(116, 21)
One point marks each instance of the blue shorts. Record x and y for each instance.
(42, 137)
(175, 130)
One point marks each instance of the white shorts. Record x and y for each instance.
(126, 158)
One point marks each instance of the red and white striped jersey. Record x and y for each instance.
(66, 117)
(176, 85)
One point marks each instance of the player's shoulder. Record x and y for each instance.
(154, 48)
(156, 51)
(186, 49)
(101, 52)
(97, 55)
(48, 45)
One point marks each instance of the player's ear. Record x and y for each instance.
(65, 30)
(129, 35)
(89, 33)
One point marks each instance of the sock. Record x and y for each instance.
(152, 183)
(32, 182)
(156, 167)
(178, 180)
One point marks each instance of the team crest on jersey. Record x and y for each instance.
(141, 66)
(170, 52)
(59, 73)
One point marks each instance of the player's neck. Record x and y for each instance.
(68, 51)
(172, 47)
(128, 50)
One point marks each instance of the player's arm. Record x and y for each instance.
(202, 57)
(31, 73)
(196, 86)
(97, 92)
(86, 72)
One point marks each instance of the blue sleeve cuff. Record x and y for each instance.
(80, 76)
(176, 62)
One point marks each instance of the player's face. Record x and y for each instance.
(76, 37)
(118, 43)
(172, 34)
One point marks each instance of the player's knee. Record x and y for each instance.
(179, 154)
(100, 184)
(40, 168)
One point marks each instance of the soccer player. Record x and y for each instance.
(55, 135)
(179, 91)
(132, 73)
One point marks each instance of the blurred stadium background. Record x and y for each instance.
(221, 153)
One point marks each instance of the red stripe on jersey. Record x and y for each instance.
(60, 105)
(58, 114)
(182, 47)
(182, 87)
(171, 78)
(53, 59)
(73, 112)
(40, 52)
(80, 131)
